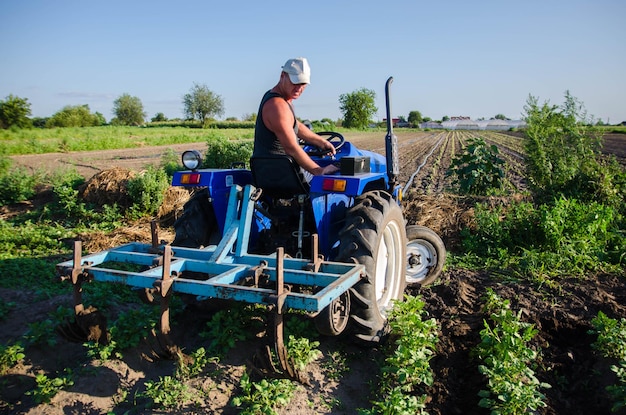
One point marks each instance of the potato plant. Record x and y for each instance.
(508, 361)
(611, 343)
(406, 369)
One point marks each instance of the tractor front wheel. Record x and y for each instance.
(374, 235)
(425, 255)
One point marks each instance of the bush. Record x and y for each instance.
(560, 149)
(565, 236)
(75, 116)
(147, 190)
(222, 153)
(16, 185)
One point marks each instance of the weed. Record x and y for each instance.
(17, 185)
(147, 190)
(222, 153)
(563, 157)
(170, 162)
(563, 237)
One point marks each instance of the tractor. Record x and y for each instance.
(337, 247)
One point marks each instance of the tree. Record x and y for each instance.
(14, 111)
(75, 116)
(201, 103)
(159, 116)
(415, 118)
(500, 117)
(128, 110)
(250, 117)
(358, 108)
(445, 118)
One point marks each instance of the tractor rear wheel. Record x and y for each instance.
(374, 235)
(197, 223)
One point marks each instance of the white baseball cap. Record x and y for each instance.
(298, 70)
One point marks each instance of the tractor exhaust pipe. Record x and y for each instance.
(391, 143)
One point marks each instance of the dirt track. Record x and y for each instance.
(578, 376)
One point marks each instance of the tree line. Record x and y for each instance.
(199, 104)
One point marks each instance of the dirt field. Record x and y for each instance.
(562, 317)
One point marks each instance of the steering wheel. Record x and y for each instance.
(332, 135)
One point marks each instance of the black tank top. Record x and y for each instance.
(265, 141)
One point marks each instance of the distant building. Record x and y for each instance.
(430, 124)
(397, 122)
(466, 123)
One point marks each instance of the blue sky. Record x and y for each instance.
(455, 58)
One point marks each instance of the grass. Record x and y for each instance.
(53, 140)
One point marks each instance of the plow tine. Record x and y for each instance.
(161, 346)
(264, 363)
(89, 324)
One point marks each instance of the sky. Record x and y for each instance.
(447, 58)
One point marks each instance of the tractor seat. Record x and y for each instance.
(279, 176)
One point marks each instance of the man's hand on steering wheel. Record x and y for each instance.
(330, 146)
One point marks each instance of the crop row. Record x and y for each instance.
(426, 167)
(504, 356)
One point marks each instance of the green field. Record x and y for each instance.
(40, 141)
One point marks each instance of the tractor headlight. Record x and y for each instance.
(192, 159)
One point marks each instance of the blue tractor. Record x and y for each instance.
(337, 247)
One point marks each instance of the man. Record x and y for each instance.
(277, 129)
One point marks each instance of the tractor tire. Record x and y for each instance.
(426, 255)
(374, 235)
(197, 223)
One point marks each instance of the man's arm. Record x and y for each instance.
(278, 117)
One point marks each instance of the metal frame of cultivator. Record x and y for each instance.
(226, 271)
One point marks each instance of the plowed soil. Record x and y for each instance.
(343, 379)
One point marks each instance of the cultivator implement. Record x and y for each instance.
(225, 272)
